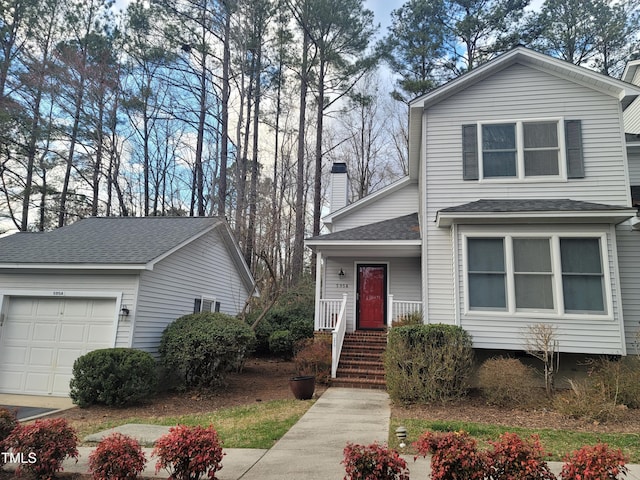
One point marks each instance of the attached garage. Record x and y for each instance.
(42, 337)
(107, 282)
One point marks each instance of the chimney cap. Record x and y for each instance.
(339, 168)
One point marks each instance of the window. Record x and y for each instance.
(544, 274)
(546, 148)
(205, 305)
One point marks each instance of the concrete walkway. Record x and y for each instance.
(311, 450)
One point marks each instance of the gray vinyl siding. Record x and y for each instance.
(403, 280)
(401, 202)
(43, 284)
(633, 157)
(516, 93)
(629, 264)
(575, 334)
(201, 268)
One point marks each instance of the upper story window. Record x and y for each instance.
(542, 149)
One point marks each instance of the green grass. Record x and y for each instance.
(251, 426)
(557, 442)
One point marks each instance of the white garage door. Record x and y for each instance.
(42, 337)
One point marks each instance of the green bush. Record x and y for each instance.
(113, 376)
(281, 343)
(426, 363)
(507, 382)
(293, 311)
(204, 347)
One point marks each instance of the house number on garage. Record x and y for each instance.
(58, 293)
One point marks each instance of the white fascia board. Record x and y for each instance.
(71, 266)
(614, 217)
(151, 264)
(238, 259)
(574, 73)
(383, 192)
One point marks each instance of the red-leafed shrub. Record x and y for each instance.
(513, 458)
(454, 456)
(188, 452)
(46, 442)
(373, 462)
(596, 462)
(8, 422)
(117, 457)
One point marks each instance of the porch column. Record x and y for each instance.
(316, 315)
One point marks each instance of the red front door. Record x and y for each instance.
(372, 296)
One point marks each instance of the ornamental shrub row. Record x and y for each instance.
(455, 455)
(187, 453)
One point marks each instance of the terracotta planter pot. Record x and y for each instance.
(303, 386)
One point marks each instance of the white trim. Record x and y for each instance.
(445, 219)
(72, 266)
(360, 243)
(616, 275)
(378, 194)
(558, 311)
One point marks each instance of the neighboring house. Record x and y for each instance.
(516, 211)
(108, 282)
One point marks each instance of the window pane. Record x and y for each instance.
(580, 255)
(583, 293)
(531, 255)
(485, 255)
(541, 162)
(499, 164)
(499, 136)
(534, 291)
(540, 134)
(487, 290)
(582, 278)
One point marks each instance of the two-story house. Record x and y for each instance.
(517, 210)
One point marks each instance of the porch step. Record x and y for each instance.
(361, 363)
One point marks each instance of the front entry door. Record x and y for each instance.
(372, 297)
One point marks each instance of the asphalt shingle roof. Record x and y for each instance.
(531, 205)
(103, 240)
(401, 228)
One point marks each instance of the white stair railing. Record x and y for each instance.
(329, 309)
(401, 308)
(338, 336)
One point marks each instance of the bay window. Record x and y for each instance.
(553, 274)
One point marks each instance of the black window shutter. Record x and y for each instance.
(470, 152)
(573, 141)
(197, 305)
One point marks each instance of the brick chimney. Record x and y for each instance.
(339, 186)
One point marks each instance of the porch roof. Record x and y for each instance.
(398, 236)
(533, 211)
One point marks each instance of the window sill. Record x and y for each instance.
(537, 315)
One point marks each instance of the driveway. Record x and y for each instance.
(28, 407)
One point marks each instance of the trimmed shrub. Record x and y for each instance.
(513, 458)
(189, 452)
(48, 442)
(426, 363)
(204, 347)
(117, 457)
(596, 462)
(373, 462)
(114, 377)
(8, 422)
(454, 455)
(281, 344)
(507, 382)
